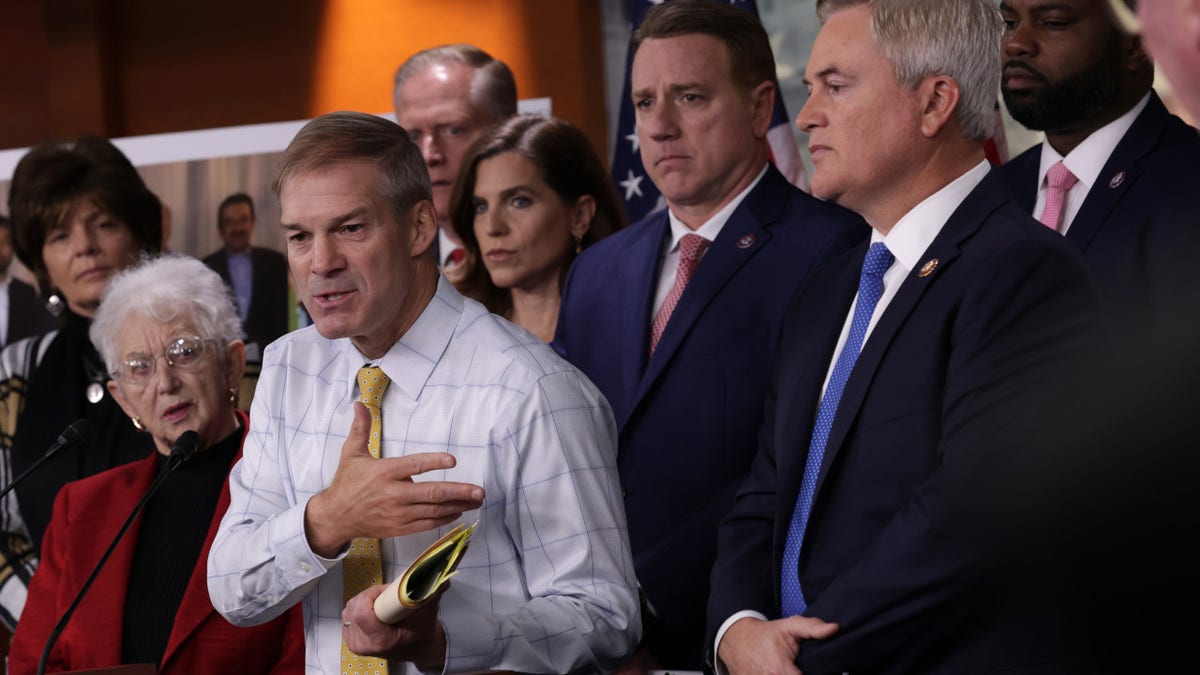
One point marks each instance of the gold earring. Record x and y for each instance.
(137, 423)
(578, 244)
(233, 396)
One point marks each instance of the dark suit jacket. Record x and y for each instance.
(1136, 232)
(27, 315)
(688, 417)
(87, 515)
(905, 547)
(267, 319)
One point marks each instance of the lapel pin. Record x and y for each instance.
(928, 268)
(1117, 180)
(747, 240)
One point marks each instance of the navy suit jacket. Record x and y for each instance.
(1135, 230)
(904, 546)
(267, 319)
(27, 315)
(688, 417)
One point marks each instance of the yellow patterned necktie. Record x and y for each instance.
(363, 566)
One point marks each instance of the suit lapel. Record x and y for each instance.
(105, 602)
(640, 276)
(964, 222)
(740, 239)
(1026, 166)
(798, 389)
(1120, 172)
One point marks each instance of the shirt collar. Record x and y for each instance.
(713, 226)
(1088, 158)
(446, 246)
(410, 362)
(911, 236)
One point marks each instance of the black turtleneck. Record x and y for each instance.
(175, 524)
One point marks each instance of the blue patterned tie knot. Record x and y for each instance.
(870, 288)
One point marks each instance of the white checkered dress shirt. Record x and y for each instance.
(547, 584)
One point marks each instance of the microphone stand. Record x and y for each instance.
(184, 448)
(70, 436)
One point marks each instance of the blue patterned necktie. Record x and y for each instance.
(870, 287)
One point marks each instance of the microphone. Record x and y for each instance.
(185, 446)
(74, 434)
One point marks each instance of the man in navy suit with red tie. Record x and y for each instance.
(871, 535)
(676, 318)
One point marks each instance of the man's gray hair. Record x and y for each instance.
(492, 88)
(167, 288)
(956, 38)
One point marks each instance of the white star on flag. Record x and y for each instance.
(633, 139)
(632, 186)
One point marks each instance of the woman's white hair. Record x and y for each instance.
(166, 288)
(956, 38)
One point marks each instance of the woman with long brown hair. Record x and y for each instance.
(531, 195)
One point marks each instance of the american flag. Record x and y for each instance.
(640, 195)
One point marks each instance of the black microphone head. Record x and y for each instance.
(75, 433)
(186, 445)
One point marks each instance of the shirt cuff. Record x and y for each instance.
(294, 557)
(745, 613)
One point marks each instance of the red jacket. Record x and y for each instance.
(87, 515)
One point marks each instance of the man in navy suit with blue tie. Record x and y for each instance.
(873, 534)
(676, 318)
(1070, 72)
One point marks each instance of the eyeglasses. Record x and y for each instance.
(182, 352)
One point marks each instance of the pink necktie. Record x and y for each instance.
(691, 247)
(1059, 181)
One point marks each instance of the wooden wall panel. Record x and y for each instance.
(134, 67)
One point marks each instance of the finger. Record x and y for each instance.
(401, 468)
(809, 628)
(400, 529)
(360, 430)
(445, 493)
(360, 610)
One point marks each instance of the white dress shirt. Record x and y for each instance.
(1086, 161)
(709, 230)
(547, 584)
(908, 240)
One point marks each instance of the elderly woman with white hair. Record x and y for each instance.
(170, 336)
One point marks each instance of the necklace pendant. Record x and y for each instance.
(95, 392)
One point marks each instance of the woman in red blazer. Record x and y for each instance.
(170, 337)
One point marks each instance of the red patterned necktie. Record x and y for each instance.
(691, 247)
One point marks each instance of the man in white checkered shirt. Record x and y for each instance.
(481, 422)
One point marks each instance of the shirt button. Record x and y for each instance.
(304, 568)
